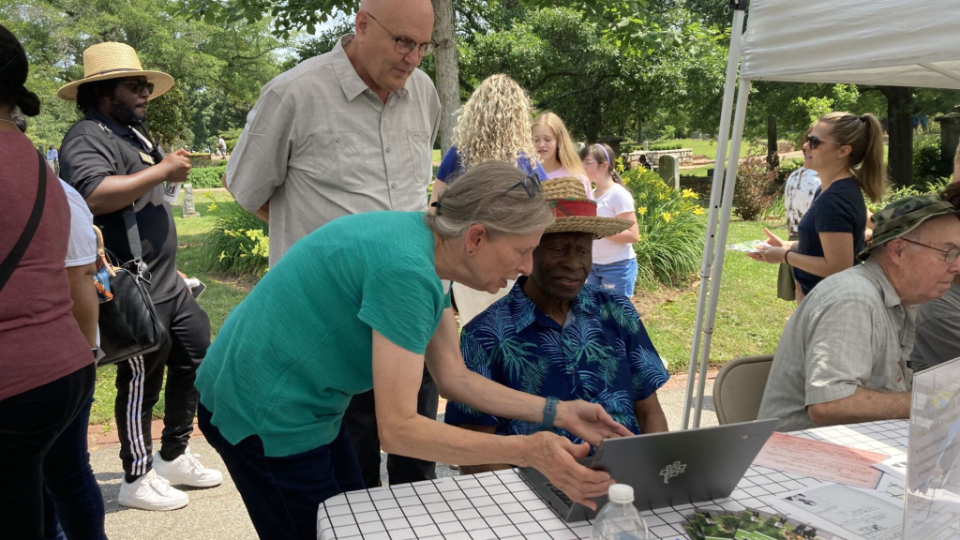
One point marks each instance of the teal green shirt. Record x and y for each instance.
(289, 357)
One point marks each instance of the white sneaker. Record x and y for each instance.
(187, 470)
(151, 492)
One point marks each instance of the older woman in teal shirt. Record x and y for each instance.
(363, 302)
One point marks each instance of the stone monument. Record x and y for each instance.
(669, 170)
(189, 208)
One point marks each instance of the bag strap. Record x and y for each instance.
(13, 258)
(129, 213)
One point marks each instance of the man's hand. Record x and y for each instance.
(588, 421)
(176, 166)
(556, 456)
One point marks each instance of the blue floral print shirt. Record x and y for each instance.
(601, 354)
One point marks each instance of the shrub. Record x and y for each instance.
(240, 243)
(897, 193)
(752, 196)
(666, 146)
(787, 167)
(927, 161)
(671, 230)
(207, 177)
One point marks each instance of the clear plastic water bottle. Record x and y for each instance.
(619, 519)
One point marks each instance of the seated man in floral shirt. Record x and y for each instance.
(555, 336)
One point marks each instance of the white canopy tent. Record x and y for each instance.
(871, 42)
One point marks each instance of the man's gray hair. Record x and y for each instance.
(491, 195)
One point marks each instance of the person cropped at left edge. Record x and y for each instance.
(108, 158)
(362, 303)
(555, 335)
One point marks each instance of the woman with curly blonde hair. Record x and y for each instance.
(494, 126)
(556, 150)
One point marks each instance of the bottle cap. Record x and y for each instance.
(621, 493)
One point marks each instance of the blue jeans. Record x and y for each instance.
(282, 494)
(72, 502)
(620, 277)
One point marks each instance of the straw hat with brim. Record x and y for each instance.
(575, 212)
(111, 60)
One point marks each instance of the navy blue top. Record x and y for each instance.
(840, 208)
(601, 354)
(451, 167)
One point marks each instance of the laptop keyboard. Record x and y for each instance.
(563, 496)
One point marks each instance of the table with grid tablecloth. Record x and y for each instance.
(500, 505)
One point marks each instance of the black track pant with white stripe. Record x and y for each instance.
(139, 381)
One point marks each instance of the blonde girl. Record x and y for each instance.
(556, 151)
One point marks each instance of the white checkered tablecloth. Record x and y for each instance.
(500, 505)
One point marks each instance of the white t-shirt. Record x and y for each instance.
(614, 202)
(562, 171)
(798, 196)
(82, 246)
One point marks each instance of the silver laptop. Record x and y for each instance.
(666, 469)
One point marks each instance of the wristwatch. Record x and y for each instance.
(550, 412)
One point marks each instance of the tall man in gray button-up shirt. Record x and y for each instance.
(843, 355)
(345, 132)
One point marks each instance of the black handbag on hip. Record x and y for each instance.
(129, 325)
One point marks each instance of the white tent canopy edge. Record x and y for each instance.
(868, 42)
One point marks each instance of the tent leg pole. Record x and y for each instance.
(726, 114)
(743, 96)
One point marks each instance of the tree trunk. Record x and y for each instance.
(773, 157)
(448, 78)
(900, 154)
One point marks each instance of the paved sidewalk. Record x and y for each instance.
(218, 513)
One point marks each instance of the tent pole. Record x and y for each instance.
(733, 62)
(743, 96)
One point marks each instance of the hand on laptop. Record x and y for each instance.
(588, 421)
(556, 457)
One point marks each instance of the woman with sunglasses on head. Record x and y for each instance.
(614, 261)
(557, 153)
(846, 151)
(494, 125)
(47, 363)
(361, 303)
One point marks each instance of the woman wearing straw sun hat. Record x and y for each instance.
(110, 160)
(364, 302)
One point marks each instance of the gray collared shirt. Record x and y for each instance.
(851, 331)
(319, 144)
(938, 331)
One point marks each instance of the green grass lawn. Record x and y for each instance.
(750, 317)
(437, 156)
(703, 148)
(749, 320)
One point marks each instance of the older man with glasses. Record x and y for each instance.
(843, 357)
(349, 131)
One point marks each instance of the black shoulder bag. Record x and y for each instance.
(11, 261)
(129, 325)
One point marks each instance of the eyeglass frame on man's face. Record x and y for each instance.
(404, 45)
(137, 85)
(949, 256)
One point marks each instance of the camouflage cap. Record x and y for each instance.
(902, 216)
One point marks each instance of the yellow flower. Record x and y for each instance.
(667, 217)
(223, 254)
(642, 210)
(661, 196)
(212, 207)
(698, 211)
(689, 194)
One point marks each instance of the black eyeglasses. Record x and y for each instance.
(137, 86)
(815, 141)
(405, 46)
(530, 184)
(949, 256)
